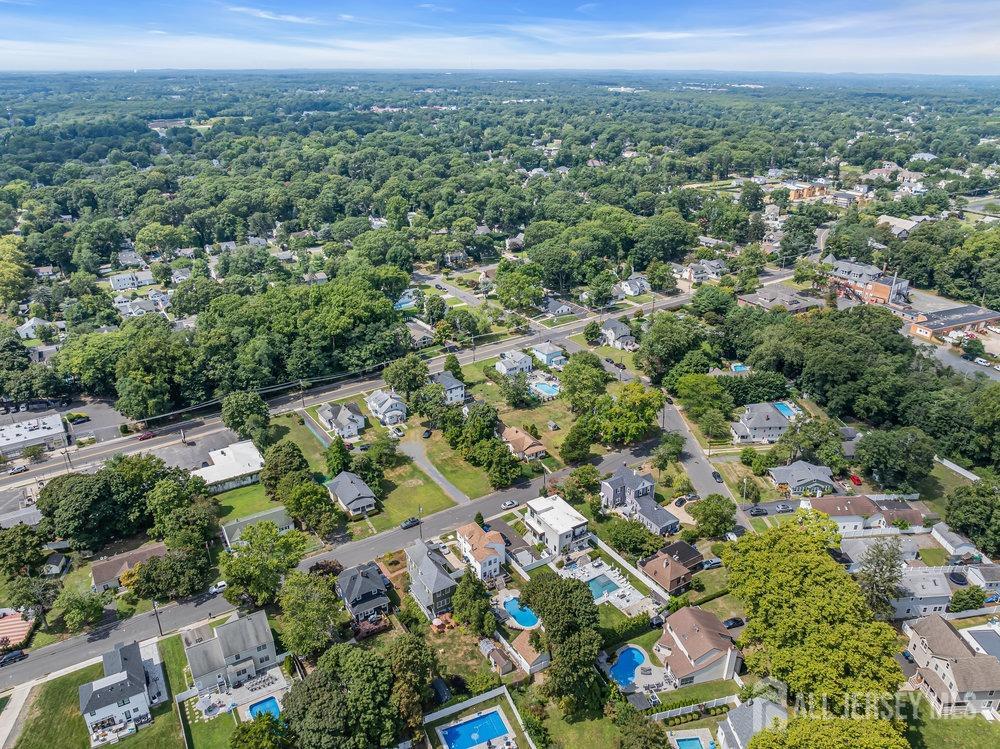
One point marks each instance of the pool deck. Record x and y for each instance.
(702, 734)
(245, 697)
(626, 598)
(653, 681)
(500, 742)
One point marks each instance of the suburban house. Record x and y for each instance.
(759, 422)
(314, 279)
(454, 388)
(456, 258)
(748, 719)
(954, 543)
(922, 591)
(343, 419)
(954, 676)
(964, 319)
(513, 362)
(899, 227)
(230, 654)
(522, 444)
(987, 577)
(47, 431)
(421, 336)
(636, 285)
(364, 591)
(705, 270)
(895, 512)
(30, 516)
(231, 532)
(867, 282)
(695, 647)
(854, 549)
(618, 335)
(132, 280)
(105, 573)
(801, 477)
(237, 465)
(849, 439)
(685, 553)
(555, 307)
(552, 522)
(432, 580)
(386, 406)
(351, 492)
(849, 513)
(668, 571)
(777, 295)
(30, 327)
(549, 354)
(485, 551)
(119, 703)
(634, 496)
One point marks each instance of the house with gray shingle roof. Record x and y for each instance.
(231, 653)
(118, 703)
(345, 419)
(618, 335)
(759, 422)
(747, 720)
(231, 532)
(454, 388)
(363, 590)
(432, 580)
(513, 362)
(801, 477)
(386, 406)
(351, 492)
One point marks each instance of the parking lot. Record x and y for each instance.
(104, 422)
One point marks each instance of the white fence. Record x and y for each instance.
(667, 714)
(957, 469)
(478, 700)
(650, 582)
(913, 530)
(994, 610)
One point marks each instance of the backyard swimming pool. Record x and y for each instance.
(784, 409)
(475, 731)
(600, 585)
(692, 742)
(521, 614)
(270, 705)
(738, 367)
(629, 660)
(546, 388)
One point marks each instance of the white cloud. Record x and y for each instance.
(267, 15)
(434, 7)
(587, 8)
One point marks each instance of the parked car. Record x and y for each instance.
(757, 511)
(506, 505)
(717, 476)
(218, 587)
(427, 433)
(17, 469)
(145, 436)
(13, 656)
(669, 400)
(680, 502)
(364, 447)
(996, 367)
(855, 479)
(968, 357)
(782, 508)
(711, 564)
(908, 657)
(733, 622)
(620, 366)
(409, 523)
(439, 287)
(79, 419)
(609, 360)
(958, 578)
(981, 361)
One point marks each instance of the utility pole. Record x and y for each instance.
(156, 613)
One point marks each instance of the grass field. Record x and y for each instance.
(724, 607)
(710, 690)
(238, 503)
(411, 494)
(469, 479)
(925, 731)
(934, 557)
(596, 731)
(625, 357)
(936, 487)
(733, 473)
(311, 447)
(174, 663)
(207, 734)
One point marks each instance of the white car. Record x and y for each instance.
(981, 362)
(218, 587)
(996, 367)
(508, 504)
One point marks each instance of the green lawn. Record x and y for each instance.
(714, 580)
(174, 663)
(312, 448)
(54, 719)
(596, 731)
(469, 479)
(625, 357)
(733, 473)
(925, 731)
(645, 641)
(936, 487)
(758, 524)
(553, 322)
(695, 693)
(724, 607)
(207, 734)
(164, 733)
(935, 557)
(412, 494)
(239, 503)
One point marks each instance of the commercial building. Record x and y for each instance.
(47, 431)
(234, 466)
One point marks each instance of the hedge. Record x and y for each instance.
(711, 597)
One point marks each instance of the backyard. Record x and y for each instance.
(734, 472)
(500, 702)
(411, 494)
(925, 731)
(239, 503)
(933, 557)
(288, 427)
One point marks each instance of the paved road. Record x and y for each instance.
(947, 356)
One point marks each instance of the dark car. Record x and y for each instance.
(907, 657)
(609, 360)
(782, 508)
(620, 366)
(717, 476)
(738, 531)
(81, 419)
(439, 287)
(680, 502)
(427, 433)
(13, 657)
(757, 511)
(958, 578)
(733, 623)
(145, 436)
(968, 357)
(409, 523)
(364, 447)
(670, 400)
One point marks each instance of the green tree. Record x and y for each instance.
(35, 594)
(338, 457)
(632, 538)
(666, 341)
(280, 459)
(451, 364)
(370, 472)
(246, 414)
(831, 733)
(255, 570)
(669, 450)
(80, 609)
(576, 447)
(406, 375)
(81, 509)
(714, 514)
(879, 576)
(583, 380)
(897, 457)
(715, 300)
(310, 503)
(974, 510)
(592, 332)
(311, 607)
(516, 391)
(413, 665)
(968, 599)
(263, 732)
(21, 550)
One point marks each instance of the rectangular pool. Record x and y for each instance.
(546, 389)
(270, 705)
(784, 409)
(474, 731)
(692, 742)
(600, 585)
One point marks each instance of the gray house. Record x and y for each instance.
(759, 422)
(118, 702)
(801, 477)
(345, 419)
(364, 591)
(454, 388)
(231, 654)
(748, 719)
(351, 492)
(432, 581)
(634, 495)
(231, 532)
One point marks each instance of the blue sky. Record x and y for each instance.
(877, 36)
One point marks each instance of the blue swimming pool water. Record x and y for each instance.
(600, 585)
(521, 614)
(270, 705)
(475, 731)
(737, 367)
(546, 388)
(784, 409)
(623, 670)
(692, 742)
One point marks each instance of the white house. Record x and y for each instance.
(421, 336)
(552, 522)
(922, 591)
(132, 280)
(485, 551)
(549, 354)
(695, 647)
(454, 388)
(746, 720)
(618, 335)
(232, 467)
(759, 422)
(30, 327)
(230, 654)
(513, 362)
(636, 285)
(386, 406)
(344, 419)
(119, 703)
(954, 543)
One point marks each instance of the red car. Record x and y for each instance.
(855, 479)
(145, 436)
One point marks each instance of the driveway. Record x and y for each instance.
(415, 449)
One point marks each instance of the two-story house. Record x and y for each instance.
(364, 591)
(759, 422)
(386, 406)
(695, 647)
(618, 335)
(485, 551)
(922, 591)
(549, 354)
(230, 654)
(514, 362)
(633, 495)
(118, 703)
(454, 388)
(800, 478)
(552, 522)
(343, 419)
(432, 580)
